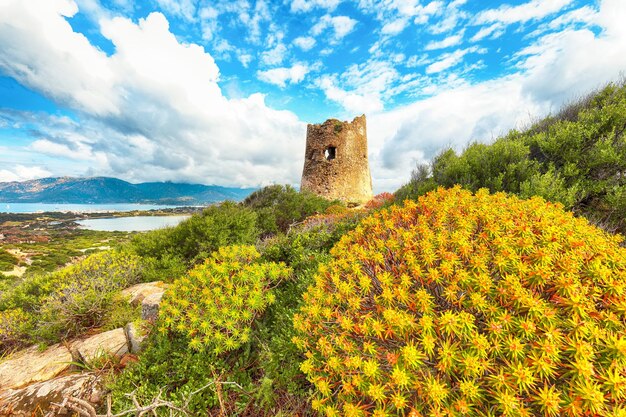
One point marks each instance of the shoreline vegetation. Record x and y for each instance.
(493, 283)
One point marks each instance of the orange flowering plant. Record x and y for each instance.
(468, 304)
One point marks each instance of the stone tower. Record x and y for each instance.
(335, 161)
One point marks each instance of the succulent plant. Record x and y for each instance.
(468, 304)
(216, 302)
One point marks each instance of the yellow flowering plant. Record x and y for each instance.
(468, 304)
(216, 302)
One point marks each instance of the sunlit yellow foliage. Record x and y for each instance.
(215, 303)
(463, 304)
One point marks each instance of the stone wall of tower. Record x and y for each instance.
(335, 161)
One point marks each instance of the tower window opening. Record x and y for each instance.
(330, 153)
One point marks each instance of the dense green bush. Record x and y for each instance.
(577, 158)
(462, 304)
(280, 206)
(69, 302)
(214, 305)
(168, 253)
(7, 261)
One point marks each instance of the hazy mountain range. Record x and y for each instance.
(104, 190)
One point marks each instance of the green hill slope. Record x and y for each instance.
(576, 157)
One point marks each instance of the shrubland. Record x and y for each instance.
(497, 298)
(576, 157)
(52, 307)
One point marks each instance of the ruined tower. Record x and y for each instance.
(335, 161)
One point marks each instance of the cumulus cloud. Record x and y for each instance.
(361, 88)
(341, 26)
(23, 173)
(556, 68)
(185, 9)
(284, 75)
(304, 42)
(151, 110)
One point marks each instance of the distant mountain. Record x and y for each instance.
(104, 190)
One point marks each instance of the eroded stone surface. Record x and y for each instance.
(335, 161)
(112, 343)
(150, 307)
(38, 397)
(136, 337)
(31, 365)
(137, 293)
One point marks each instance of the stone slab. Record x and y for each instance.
(38, 397)
(112, 343)
(32, 365)
(137, 293)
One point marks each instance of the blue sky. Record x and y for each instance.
(220, 92)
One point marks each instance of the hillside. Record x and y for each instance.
(104, 190)
(576, 157)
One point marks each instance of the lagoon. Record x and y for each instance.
(131, 224)
(76, 208)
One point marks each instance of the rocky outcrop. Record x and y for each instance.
(112, 343)
(32, 365)
(40, 396)
(136, 336)
(32, 379)
(137, 293)
(150, 307)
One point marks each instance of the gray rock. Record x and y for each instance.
(32, 365)
(38, 397)
(150, 307)
(136, 337)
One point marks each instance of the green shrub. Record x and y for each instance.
(71, 301)
(576, 157)
(89, 292)
(280, 206)
(215, 304)
(167, 253)
(462, 304)
(7, 261)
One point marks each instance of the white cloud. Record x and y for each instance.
(395, 26)
(150, 111)
(534, 9)
(185, 9)
(284, 75)
(445, 43)
(363, 87)
(308, 5)
(450, 60)
(341, 26)
(245, 58)
(274, 56)
(23, 173)
(304, 42)
(494, 31)
(557, 68)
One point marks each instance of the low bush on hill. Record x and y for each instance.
(462, 304)
(576, 157)
(168, 253)
(52, 307)
(7, 261)
(280, 206)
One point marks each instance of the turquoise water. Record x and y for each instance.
(131, 224)
(78, 208)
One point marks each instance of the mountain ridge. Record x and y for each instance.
(109, 190)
